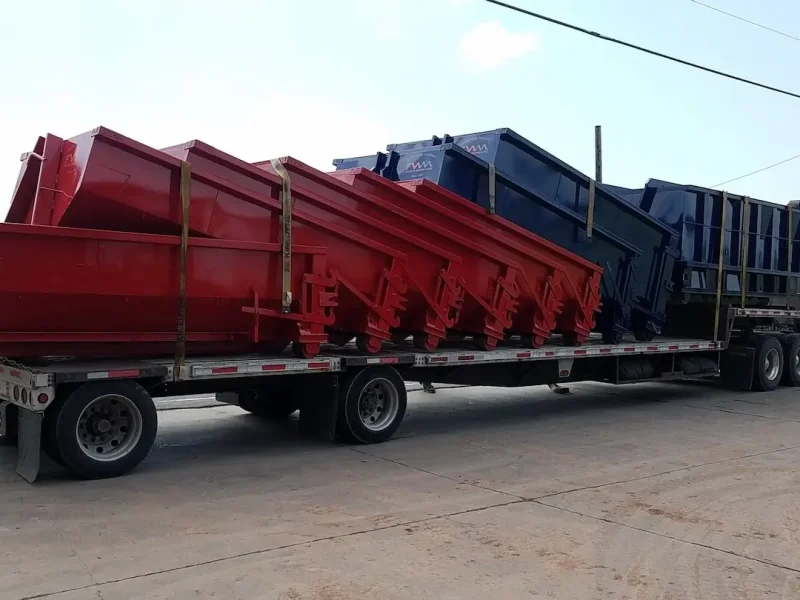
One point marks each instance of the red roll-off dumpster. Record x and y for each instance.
(557, 288)
(487, 281)
(107, 181)
(82, 292)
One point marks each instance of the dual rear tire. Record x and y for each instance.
(100, 430)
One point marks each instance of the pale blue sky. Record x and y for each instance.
(324, 79)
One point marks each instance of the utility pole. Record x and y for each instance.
(598, 154)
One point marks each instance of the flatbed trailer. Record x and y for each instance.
(98, 419)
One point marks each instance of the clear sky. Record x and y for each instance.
(320, 79)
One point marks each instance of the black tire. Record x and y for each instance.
(273, 405)
(767, 372)
(791, 359)
(644, 335)
(76, 454)
(10, 438)
(49, 444)
(373, 381)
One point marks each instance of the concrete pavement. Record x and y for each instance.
(633, 492)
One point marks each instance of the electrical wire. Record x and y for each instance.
(642, 49)
(738, 18)
(777, 164)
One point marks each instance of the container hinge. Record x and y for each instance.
(492, 189)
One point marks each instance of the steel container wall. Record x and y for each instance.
(452, 283)
(547, 176)
(457, 170)
(696, 212)
(555, 287)
(103, 180)
(83, 292)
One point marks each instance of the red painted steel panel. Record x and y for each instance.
(86, 292)
(557, 288)
(110, 182)
(473, 292)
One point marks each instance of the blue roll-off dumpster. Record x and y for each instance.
(549, 177)
(457, 170)
(763, 231)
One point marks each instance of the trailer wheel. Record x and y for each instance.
(104, 430)
(791, 359)
(48, 443)
(769, 363)
(372, 405)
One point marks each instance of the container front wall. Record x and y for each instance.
(697, 214)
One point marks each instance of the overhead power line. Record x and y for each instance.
(777, 164)
(738, 18)
(642, 49)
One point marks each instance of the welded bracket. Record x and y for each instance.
(590, 208)
(286, 214)
(492, 189)
(29, 430)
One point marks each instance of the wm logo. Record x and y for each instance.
(419, 165)
(476, 148)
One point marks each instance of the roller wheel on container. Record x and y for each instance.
(368, 344)
(273, 405)
(424, 341)
(570, 338)
(372, 405)
(791, 359)
(102, 430)
(643, 335)
(529, 340)
(612, 337)
(484, 342)
(768, 367)
(340, 338)
(305, 350)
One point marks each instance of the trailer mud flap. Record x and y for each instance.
(29, 444)
(736, 367)
(319, 406)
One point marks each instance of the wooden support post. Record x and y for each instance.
(598, 154)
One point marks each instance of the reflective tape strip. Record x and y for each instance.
(118, 374)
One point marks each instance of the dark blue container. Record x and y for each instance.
(548, 177)
(696, 213)
(468, 176)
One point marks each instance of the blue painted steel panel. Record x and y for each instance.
(547, 177)
(457, 170)
(696, 213)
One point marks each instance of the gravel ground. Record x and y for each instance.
(638, 492)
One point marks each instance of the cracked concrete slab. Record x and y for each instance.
(648, 491)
